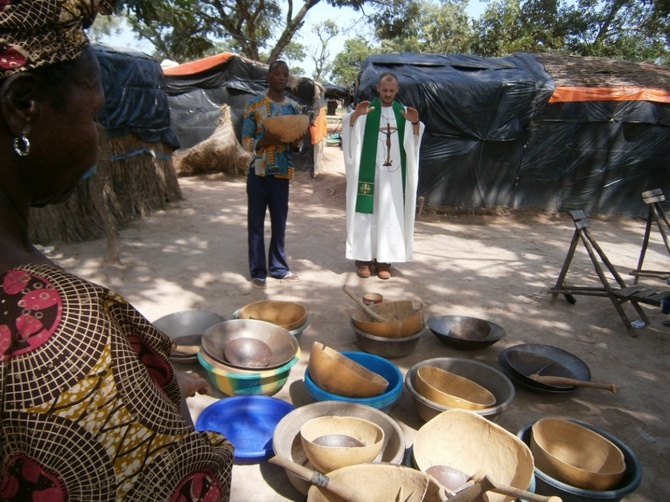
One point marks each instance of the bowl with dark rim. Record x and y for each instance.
(632, 477)
(464, 332)
(519, 362)
(488, 377)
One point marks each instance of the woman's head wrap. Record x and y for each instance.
(35, 33)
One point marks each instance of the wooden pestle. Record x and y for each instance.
(556, 380)
(367, 309)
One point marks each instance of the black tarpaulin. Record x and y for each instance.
(493, 138)
(135, 101)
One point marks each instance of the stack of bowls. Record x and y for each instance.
(466, 442)
(554, 467)
(248, 376)
(396, 337)
(331, 443)
(291, 316)
(490, 379)
(286, 438)
(355, 377)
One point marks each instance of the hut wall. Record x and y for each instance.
(494, 139)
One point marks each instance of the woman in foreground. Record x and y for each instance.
(89, 403)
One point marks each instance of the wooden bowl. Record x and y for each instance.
(287, 443)
(576, 455)
(291, 127)
(288, 315)
(470, 443)
(483, 374)
(332, 442)
(381, 483)
(448, 389)
(338, 374)
(405, 319)
(385, 346)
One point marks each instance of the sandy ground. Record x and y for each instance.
(496, 266)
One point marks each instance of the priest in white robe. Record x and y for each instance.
(381, 141)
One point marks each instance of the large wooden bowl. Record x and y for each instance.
(470, 443)
(576, 455)
(338, 374)
(288, 315)
(291, 127)
(332, 442)
(381, 483)
(405, 318)
(452, 390)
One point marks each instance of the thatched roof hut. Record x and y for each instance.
(134, 175)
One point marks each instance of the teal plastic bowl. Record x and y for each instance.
(379, 365)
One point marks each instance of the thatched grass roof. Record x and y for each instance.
(583, 71)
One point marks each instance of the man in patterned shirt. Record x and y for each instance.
(268, 178)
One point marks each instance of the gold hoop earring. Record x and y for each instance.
(22, 145)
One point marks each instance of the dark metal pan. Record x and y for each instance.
(521, 361)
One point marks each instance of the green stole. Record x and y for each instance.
(366, 172)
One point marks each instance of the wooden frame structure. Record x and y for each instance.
(618, 295)
(656, 214)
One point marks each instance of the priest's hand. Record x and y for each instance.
(411, 114)
(362, 108)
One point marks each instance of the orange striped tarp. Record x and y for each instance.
(572, 94)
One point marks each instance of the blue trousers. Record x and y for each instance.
(267, 192)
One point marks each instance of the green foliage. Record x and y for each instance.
(347, 63)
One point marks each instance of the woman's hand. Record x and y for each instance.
(192, 383)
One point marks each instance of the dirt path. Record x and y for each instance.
(496, 266)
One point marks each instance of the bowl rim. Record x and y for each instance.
(163, 319)
(387, 398)
(282, 332)
(429, 384)
(388, 339)
(261, 302)
(526, 381)
(497, 332)
(249, 374)
(595, 494)
(493, 410)
(542, 445)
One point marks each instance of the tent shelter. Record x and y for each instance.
(516, 131)
(134, 174)
(198, 89)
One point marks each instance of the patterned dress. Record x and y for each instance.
(90, 402)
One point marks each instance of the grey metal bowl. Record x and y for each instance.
(387, 347)
(286, 438)
(442, 327)
(186, 328)
(283, 344)
(486, 376)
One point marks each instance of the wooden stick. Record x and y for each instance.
(318, 479)
(481, 483)
(556, 380)
(367, 309)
